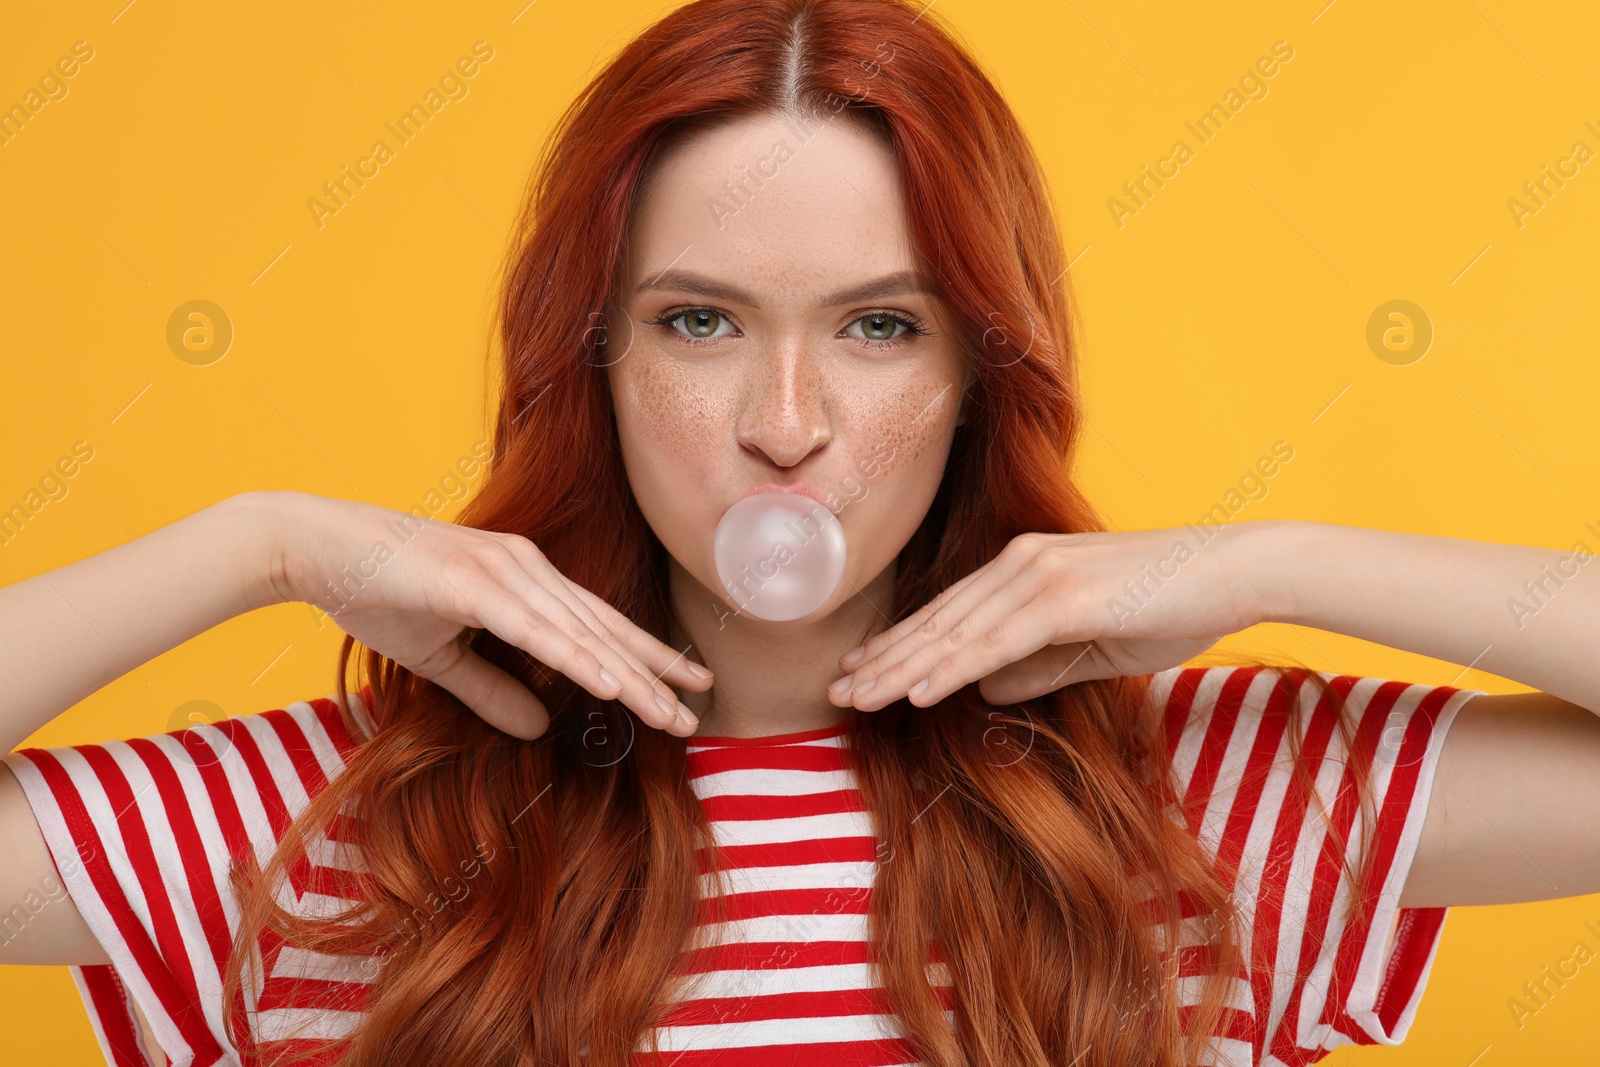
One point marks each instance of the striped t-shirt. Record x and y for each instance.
(141, 832)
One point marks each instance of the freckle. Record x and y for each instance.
(905, 424)
(675, 410)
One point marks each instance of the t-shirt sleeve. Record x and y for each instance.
(1317, 981)
(142, 832)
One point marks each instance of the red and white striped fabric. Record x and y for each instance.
(788, 974)
(1226, 727)
(140, 831)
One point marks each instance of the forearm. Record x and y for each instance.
(1525, 613)
(68, 632)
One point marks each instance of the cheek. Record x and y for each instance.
(902, 428)
(670, 412)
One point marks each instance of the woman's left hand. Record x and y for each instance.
(1053, 609)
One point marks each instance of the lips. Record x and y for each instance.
(796, 487)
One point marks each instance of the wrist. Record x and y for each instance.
(259, 520)
(1265, 557)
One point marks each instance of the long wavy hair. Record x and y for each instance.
(1039, 845)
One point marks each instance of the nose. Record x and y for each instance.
(785, 414)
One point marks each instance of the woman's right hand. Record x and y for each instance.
(411, 600)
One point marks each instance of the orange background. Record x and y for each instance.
(1228, 312)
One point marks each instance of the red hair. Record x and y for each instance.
(1043, 880)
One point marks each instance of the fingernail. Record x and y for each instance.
(918, 688)
(840, 686)
(608, 678)
(668, 705)
(864, 686)
(687, 716)
(853, 658)
(698, 671)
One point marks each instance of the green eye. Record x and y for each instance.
(701, 322)
(879, 327)
(702, 325)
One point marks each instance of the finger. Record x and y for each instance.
(686, 723)
(1005, 566)
(1013, 636)
(535, 620)
(493, 695)
(636, 646)
(530, 570)
(875, 644)
(919, 629)
(1052, 667)
(1015, 621)
(664, 660)
(952, 607)
(975, 607)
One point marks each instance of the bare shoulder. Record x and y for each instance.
(1511, 809)
(42, 924)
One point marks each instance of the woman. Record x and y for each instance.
(816, 253)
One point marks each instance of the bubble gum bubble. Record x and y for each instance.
(779, 555)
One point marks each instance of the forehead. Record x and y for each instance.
(773, 205)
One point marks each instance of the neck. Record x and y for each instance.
(772, 677)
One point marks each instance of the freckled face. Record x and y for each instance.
(748, 361)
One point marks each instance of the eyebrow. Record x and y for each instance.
(688, 281)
